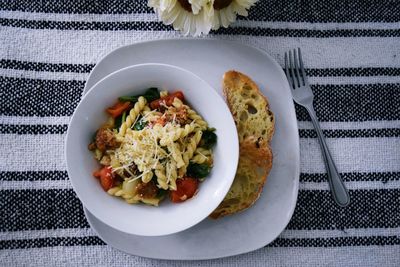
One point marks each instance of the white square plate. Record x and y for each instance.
(260, 224)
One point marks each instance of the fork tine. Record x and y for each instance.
(287, 71)
(303, 72)
(297, 69)
(292, 70)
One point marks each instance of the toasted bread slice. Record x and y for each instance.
(248, 184)
(249, 107)
(255, 125)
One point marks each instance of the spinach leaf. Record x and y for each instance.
(132, 99)
(119, 120)
(161, 193)
(123, 117)
(139, 125)
(150, 95)
(94, 136)
(208, 139)
(196, 170)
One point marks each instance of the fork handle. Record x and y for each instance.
(339, 191)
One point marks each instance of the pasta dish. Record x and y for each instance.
(152, 146)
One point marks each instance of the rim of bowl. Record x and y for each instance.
(235, 149)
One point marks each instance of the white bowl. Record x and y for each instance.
(140, 219)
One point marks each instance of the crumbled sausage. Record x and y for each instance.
(105, 139)
(179, 115)
(92, 146)
(182, 116)
(132, 170)
(147, 190)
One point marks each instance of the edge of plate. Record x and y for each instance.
(293, 119)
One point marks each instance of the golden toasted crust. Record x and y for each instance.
(259, 153)
(255, 125)
(248, 184)
(249, 107)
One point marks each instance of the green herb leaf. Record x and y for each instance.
(150, 95)
(196, 170)
(161, 193)
(123, 117)
(139, 125)
(208, 139)
(94, 136)
(119, 120)
(132, 99)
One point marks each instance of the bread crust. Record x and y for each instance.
(255, 161)
(232, 79)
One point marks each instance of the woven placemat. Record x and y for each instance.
(353, 59)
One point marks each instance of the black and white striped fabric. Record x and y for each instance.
(352, 51)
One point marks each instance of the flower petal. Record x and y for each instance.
(167, 5)
(203, 17)
(197, 5)
(169, 17)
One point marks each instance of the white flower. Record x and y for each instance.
(173, 12)
(225, 14)
(197, 5)
(196, 17)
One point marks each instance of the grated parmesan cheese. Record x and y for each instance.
(143, 149)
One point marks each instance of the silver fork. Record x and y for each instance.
(303, 96)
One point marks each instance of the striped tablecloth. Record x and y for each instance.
(352, 51)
